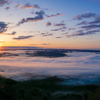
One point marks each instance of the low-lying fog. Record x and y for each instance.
(76, 67)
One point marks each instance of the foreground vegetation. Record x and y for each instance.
(46, 89)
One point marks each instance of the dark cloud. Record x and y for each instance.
(7, 8)
(83, 23)
(46, 34)
(87, 15)
(2, 2)
(34, 19)
(81, 33)
(40, 12)
(48, 24)
(90, 27)
(58, 14)
(60, 24)
(3, 27)
(23, 37)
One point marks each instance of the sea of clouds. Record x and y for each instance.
(76, 68)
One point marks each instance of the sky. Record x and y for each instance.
(64, 24)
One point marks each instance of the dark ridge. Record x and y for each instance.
(47, 53)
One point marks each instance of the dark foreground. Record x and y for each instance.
(46, 89)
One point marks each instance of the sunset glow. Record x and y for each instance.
(50, 23)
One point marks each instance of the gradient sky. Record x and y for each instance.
(67, 24)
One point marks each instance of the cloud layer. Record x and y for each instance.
(23, 37)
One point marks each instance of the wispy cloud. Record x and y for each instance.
(91, 27)
(60, 24)
(33, 19)
(58, 37)
(46, 34)
(64, 33)
(45, 44)
(40, 44)
(87, 15)
(62, 28)
(58, 14)
(83, 23)
(27, 6)
(13, 33)
(96, 21)
(71, 28)
(23, 37)
(2, 2)
(82, 33)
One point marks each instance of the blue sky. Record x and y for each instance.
(69, 24)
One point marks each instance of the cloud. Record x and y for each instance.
(46, 34)
(60, 24)
(54, 29)
(71, 28)
(64, 33)
(31, 31)
(45, 44)
(40, 44)
(27, 6)
(62, 29)
(3, 27)
(7, 8)
(13, 33)
(58, 14)
(97, 20)
(83, 23)
(81, 33)
(87, 15)
(41, 12)
(2, 2)
(58, 37)
(23, 37)
(90, 26)
(33, 19)
(48, 24)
